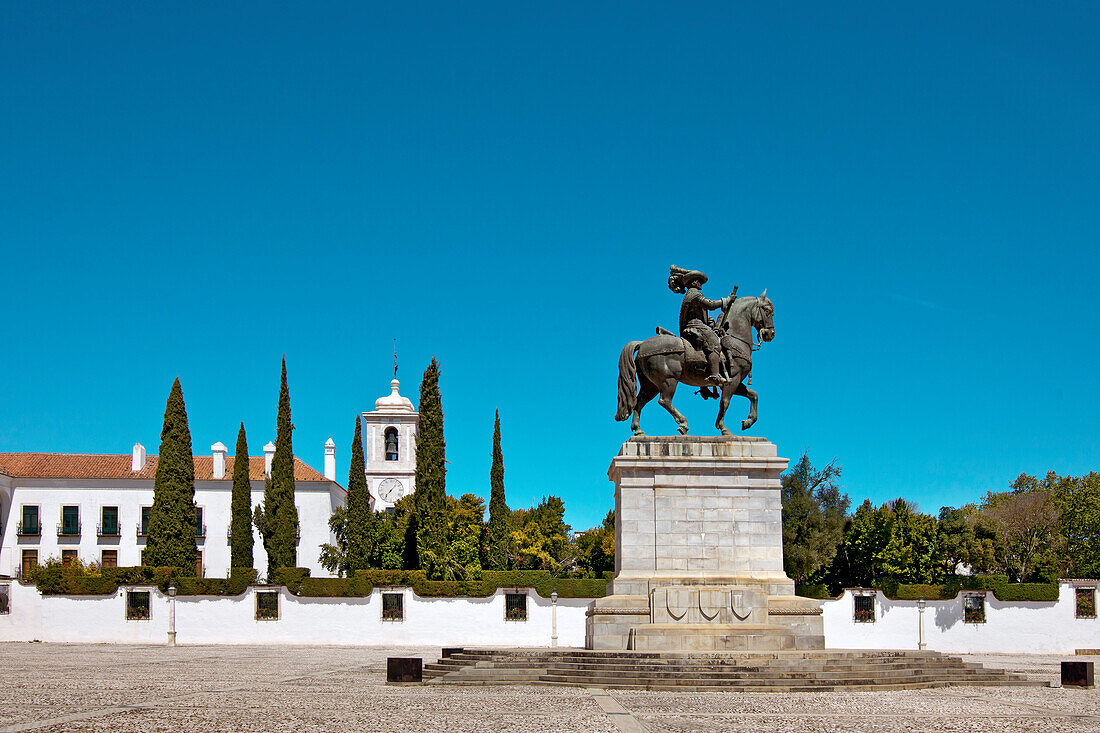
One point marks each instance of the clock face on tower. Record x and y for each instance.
(389, 490)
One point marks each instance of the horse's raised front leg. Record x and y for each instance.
(646, 392)
(668, 389)
(751, 394)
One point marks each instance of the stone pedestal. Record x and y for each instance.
(699, 551)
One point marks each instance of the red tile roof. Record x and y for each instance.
(113, 466)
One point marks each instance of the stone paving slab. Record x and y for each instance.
(61, 687)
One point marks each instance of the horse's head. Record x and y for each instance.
(761, 317)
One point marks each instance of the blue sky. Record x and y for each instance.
(195, 189)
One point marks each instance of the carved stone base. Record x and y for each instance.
(699, 551)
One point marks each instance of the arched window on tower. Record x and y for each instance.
(391, 444)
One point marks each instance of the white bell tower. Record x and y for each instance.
(389, 445)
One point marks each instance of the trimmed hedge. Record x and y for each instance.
(60, 580)
(364, 581)
(1002, 589)
(76, 581)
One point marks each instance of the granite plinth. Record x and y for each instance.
(698, 542)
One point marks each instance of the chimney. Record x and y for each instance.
(269, 454)
(219, 459)
(138, 462)
(330, 459)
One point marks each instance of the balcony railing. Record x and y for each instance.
(68, 530)
(140, 531)
(30, 530)
(110, 530)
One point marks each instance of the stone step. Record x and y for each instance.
(811, 683)
(685, 666)
(733, 675)
(719, 671)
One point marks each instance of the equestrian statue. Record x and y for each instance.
(712, 354)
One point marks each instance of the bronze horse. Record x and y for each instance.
(655, 366)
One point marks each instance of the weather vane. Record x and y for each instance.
(395, 358)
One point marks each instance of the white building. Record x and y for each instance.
(389, 445)
(96, 507)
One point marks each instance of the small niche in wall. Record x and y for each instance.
(267, 605)
(974, 609)
(1085, 602)
(137, 605)
(393, 607)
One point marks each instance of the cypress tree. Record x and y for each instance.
(171, 541)
(430, 496)
(241, 508)
(277, 519)
(498, 531)
(359, 530)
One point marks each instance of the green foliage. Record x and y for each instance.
(53, 578)
(814, 511)
(431, 475)
(595, 548)
(356, 525)
(963, 540)
(1026, 522)
(1078, 503)
(240, 524)
(292, 578)
(885, 546)
(499, 531)
(909, 555)
(1002, 589)
(171, 540)
(364, 581)
(540, 538)
(813, 590)
(277, 518)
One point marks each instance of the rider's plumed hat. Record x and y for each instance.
(678, 278)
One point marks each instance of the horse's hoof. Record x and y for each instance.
(639, 434)
(726, 431)
(683, 429)
(746, 424)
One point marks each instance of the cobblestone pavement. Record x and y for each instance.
(63, 687)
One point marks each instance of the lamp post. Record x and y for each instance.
(172, 615)
(553, 618)
(920, 627)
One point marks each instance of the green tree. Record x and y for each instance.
(814, 512)
(909, 554)
(596, 548)
(540, 540)
(240, 523)
(355, 525)
(963, 542)
(498, 531)
(277, 518)
(431, 473)
(171, 541)
(1078, 502)
(1027, 524)
(361, 517)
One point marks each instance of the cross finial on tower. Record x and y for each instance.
(395, 358)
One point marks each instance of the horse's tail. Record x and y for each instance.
(628, 381)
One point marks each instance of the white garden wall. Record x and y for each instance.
(1014, 627)
(1024, 627)
(232, 620)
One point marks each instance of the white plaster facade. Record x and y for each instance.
(1025, 627)
(1016, 627)
(392, 413)
(348, 621)
(95, 482)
